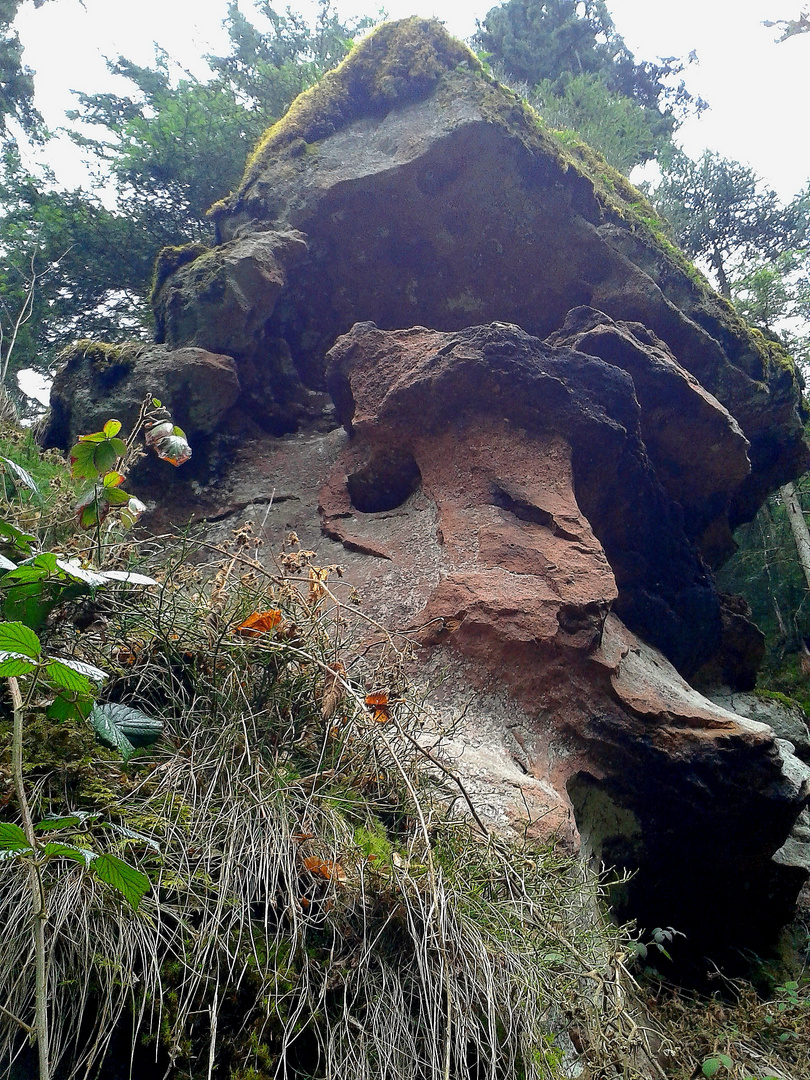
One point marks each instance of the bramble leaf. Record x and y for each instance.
(11, 836)
(17, 638)
(131, 883)
(13, 665)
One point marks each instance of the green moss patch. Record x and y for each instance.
(172, 258)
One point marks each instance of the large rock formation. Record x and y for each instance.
(535, 488)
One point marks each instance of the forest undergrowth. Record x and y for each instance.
(322, 901)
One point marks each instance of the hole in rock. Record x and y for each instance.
(385, 482)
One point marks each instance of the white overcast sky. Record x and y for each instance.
(759, 92)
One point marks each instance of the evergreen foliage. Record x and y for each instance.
(571, 58)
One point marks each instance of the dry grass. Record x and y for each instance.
(316, 909)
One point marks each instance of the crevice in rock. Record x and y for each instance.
(385, 482)
(513, 503)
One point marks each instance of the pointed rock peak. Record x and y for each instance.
(398, 63)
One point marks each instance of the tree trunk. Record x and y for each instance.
(801, 534)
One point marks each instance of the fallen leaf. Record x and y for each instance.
(325, 868)
(260, 622)
(378, 705)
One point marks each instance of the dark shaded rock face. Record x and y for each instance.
(536, 488)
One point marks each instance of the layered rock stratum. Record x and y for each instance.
(462, 359)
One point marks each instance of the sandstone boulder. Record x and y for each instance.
(551, 427)
(427, 194)
(483, 489)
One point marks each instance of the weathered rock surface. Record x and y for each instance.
(456, 503)
(436, 198)
(541, 516)
(197, 386)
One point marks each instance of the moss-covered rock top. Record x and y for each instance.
(399, 62)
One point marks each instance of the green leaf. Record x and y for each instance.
(56, 823)
(136, 726)
(111, 428)
(17, 638)
(105, 456)
(82, 461)
(92, 437)
(131, 883)
(12, 666)
(70, 706)
(73, 674)
(726, 1060)
(113, 479)
(101, 719)
(116, 496)
(19, 540)
(54, 850)
(23, 477)
(59, 675)
(11, 836)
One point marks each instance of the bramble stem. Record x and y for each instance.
(38, 910)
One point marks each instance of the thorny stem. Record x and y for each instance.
(38, 909)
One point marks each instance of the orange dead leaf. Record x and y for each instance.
(260, 622)
(325, 868)
(378, 705)
(304, 902)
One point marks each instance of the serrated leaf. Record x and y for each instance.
(111, 428)
(15, 666)
(136, 726)
(12, 836)
(79, 667)
(92, 437)
(78, 573)
(131, 883)
(158, 431)
(56, 823)
(109, 733)
(82, 461)
(22, 476)
(131, 512)
(62, 677)
(128, 576)
(54, 850)
(16, 637)
(6, 854)
(113, 479)
(131, 834)
(173, 448)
